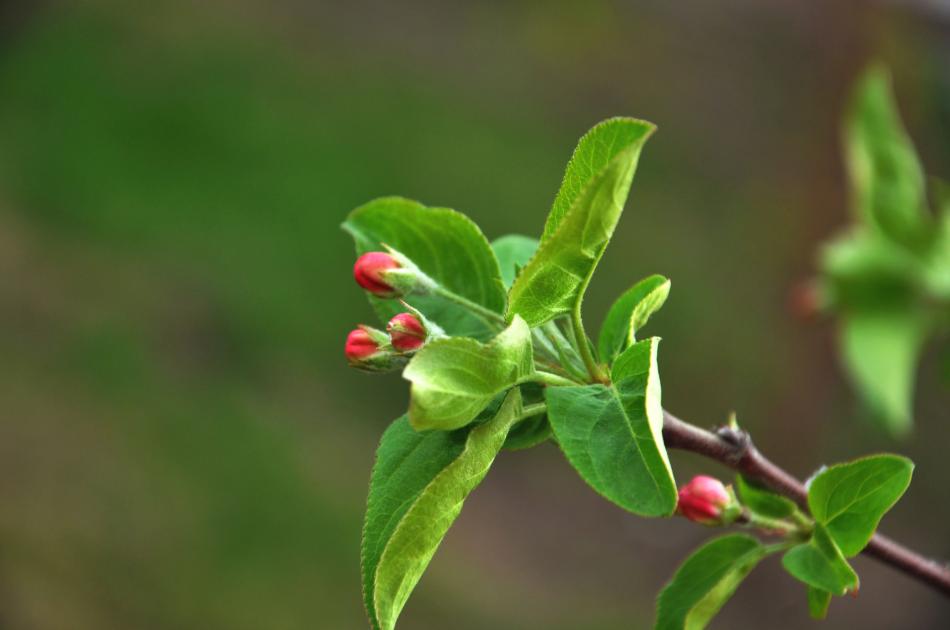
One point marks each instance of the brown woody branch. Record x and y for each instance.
(734, 448)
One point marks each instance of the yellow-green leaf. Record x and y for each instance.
(581, 222)
(418, 486)
(454, 378)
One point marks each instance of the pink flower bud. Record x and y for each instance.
(360, 346)
(369, 273)
(406, 332)
(704, 499)
(804, 301)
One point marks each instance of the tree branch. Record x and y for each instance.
(734, 448)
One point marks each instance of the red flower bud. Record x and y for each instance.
(368, 272)
(804, 300)
(406, 332)
(703, 500)
(360, 345)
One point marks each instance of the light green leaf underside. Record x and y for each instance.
(629, 314)
(423, 516)
(453, 379)
(406, 462)
(513, 252)
(880, 350)
(850, 499)
(762, 501)
(613, 435)
(596, 185)
(886, 175)
(819, 563)
(818, 602)
(444, 244)
(706, 581)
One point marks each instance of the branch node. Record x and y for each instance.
(739, 440)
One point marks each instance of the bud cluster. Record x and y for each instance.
(387, 276)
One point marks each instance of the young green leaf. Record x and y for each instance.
(819, 563)
(762, 501)
(818, 602)
(706, 581)
(418, 485)
(581, 222)
(454, 378)
(513, 252)
(886, 176)
(850, 499)
(629, 314)
(612, 435)
(447, 246)
(880, 350)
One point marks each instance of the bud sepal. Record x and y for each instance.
(369, 349)
(406, 278)
(391, 274)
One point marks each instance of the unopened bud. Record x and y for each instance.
(706, 500)
(807, 300)
(368, 349)
(406, 332)
(369, 271)
(360, 345)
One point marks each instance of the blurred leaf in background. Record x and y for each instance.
(889, 276)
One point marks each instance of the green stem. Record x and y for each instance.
(781, 526)
(551, 379)
(486, 314)
(804, 523)
(529, 411)
(557, 368)
(580, 336)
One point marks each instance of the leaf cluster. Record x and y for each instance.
(516, 368)
(888, 275)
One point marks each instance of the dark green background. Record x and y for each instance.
(181, 443)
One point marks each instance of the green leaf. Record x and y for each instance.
(629, 314)
(706, 581)
(762, 501)
(513, 252)
(819, 563)
(880, 350)
(885, 173)
(818, 602)
(613, 435)
(447, 246)
(454, 378)
(594, 152)
(406, 462)
(581, 222)
(850, 499)
(529, 433)
(867, 272)
(418, 485)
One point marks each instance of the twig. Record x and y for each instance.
(734, 448)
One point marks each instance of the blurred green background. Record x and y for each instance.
(181, 443)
